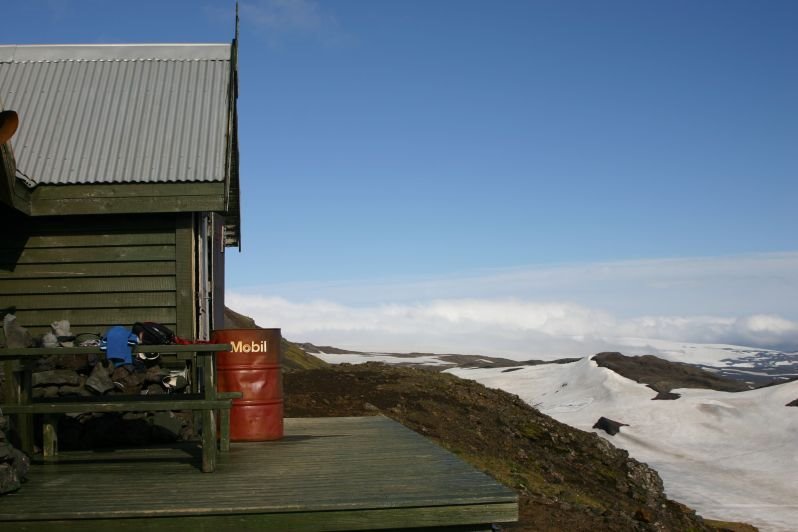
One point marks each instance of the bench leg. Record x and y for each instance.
(24, 428)
(16, 392)
(50, 437)
(224, 430)
(208, 441)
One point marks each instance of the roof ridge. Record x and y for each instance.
(114, 52)
(110, 60)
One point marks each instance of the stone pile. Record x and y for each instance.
(64, 376)
(88, 376)
(14, 463)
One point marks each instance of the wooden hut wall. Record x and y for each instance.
(98, 271)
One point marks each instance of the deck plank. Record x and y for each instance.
(342, 473)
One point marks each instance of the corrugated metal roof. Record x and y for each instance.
(118, 113)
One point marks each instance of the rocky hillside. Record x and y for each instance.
(567, 479)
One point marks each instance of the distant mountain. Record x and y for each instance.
(325, 349)
(752, 365)
(687, 365)
(663, 375)
(293, 357)
(434, 361)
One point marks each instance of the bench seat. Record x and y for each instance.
(116, 405)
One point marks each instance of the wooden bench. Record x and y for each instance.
(204, 398)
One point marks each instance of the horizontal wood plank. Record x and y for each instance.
(88, 254)
(95, 301)
(66, 225)
(15, 352)
(176, 403)
(101, 318)
(93, 240)
(87, 269)
(9, 287)
(126, 190)
(39, 330)
(422, 518)
(136, 205)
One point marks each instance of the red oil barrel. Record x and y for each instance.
(253, 368)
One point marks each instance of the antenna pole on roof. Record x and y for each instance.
(235, 42)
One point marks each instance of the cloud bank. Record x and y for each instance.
(599, 305)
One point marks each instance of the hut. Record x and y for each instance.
(119, 191)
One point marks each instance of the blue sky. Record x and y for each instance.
(625, 159)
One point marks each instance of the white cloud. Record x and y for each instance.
(718, 286)
(517, 329)
(767, 330)
(545, 312)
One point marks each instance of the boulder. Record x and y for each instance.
(9, 481)
(55, 377)
(44, 392)
(14, 464)
(73, 362)
(154, 375)
(609, 426)
(16, 335)
(666, 396)
(99, 381)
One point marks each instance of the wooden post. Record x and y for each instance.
(208, 365)
(224, 419)
(224, 430)
(16, 392)
(208, 441)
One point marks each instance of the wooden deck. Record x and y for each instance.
(326, 474)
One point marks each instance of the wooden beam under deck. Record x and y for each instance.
(326, 474)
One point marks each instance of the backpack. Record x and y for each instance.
(152, 333)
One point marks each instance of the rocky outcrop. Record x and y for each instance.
(609, 426)
(663, 376)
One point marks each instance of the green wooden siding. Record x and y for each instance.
(97, 271)
(48, 200)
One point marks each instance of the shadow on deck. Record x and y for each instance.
(326, 474)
